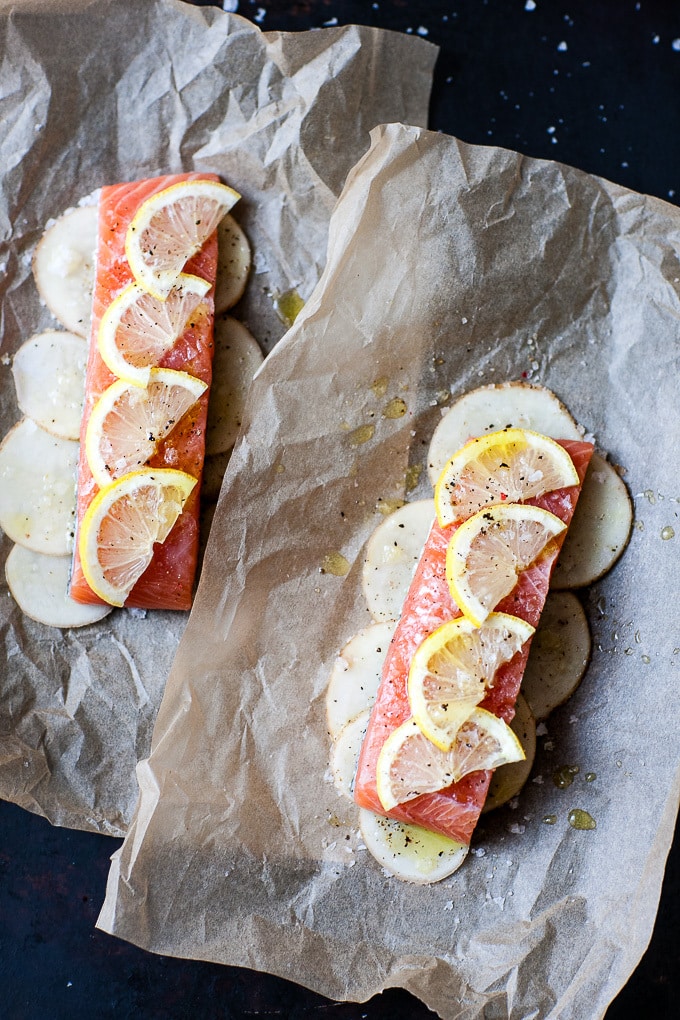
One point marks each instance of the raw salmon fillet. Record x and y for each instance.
(167, 583)
(455, 810)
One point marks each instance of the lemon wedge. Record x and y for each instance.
(510, 466)
(454, 667)
(488, 552)
(127, 423)
(170, 227)
(138, 329)
(122, 524)
(410, 765)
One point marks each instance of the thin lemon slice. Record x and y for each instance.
(510, 466)
(454, 667)
(127, 423)
(488, 552)
(123, 523)
(138, 329)
(170, 227)
(410, 765)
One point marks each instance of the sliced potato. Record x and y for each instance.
(63, 268)
(355, 677)
(508, 780)
(39, 586)
(233, 264)
(37, 488)
(237, 359)
(490, 408)
(409, 852)
(345, 753)
(392, 553)
(49, 375)
(560, 651)
(600, 528)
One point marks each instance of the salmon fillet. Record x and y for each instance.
(455, 810)
(167, 583)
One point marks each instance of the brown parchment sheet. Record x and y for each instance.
(101, 92)
(449, 266)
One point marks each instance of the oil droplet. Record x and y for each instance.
(649, 496)
(395, 408)
(412, 476)
(279, 469)
(361, 435)
(549, 819)
(646, 659)
(388, 506)
(590, 777)
(667, 533)
(564, 776)
(288, 306)
(335, 563)
(579, 819)
(379, 387)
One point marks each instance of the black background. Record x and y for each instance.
(593, 84)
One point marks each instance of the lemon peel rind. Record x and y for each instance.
(105, 405)
(461, 541)
(103, 500)
(445, 738)
(512, 750)
(523, 439)
(160, 284)
(110, 323)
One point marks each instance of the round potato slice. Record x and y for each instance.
(237, 359)
(37, 489)
(508, 780)
(355, 677)
(491, 408)
(560, 651)
(409, 852)
(233, 264)
(63, 268)
(39, 586)
(392, 553)
(345, 753)
(599, 531)
(49, 375)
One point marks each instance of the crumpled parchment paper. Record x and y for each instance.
(114, 90)
(449, 266)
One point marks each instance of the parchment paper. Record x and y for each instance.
(449, 266)
(114, 91)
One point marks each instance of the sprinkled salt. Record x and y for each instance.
(421, 30)
(516, 829)
(530, 5)
(331, 23)
(260, 15)
(230, 6)
(676, 45)
(562, 46)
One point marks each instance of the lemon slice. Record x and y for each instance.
(170, 227)
(122, 524)
(138, 329)
(410, 765)
(488, 552)
(454, 667)
(511, 466)
(127, 423)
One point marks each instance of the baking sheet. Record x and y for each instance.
(449, 266)
(282, 118)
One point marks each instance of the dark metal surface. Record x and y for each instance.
(593, 84)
